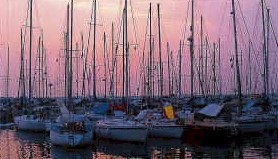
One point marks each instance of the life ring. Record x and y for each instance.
(78, 127)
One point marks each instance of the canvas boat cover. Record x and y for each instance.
(211, 110)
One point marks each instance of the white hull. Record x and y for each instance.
(123, 131)
(70, 138)
(168, 131)
(31, 124)
(257, 123)
(6, 125)
(246, 127)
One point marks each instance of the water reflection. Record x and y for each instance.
(106, 148)
(58, 152)
(23, 145)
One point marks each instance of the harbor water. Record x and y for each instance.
(15, 144)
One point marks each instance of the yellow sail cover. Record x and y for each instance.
(169, 112)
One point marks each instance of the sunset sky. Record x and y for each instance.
(50, 15)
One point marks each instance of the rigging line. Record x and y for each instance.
(88, 44)
(24, 36)
(100, 14)
(186, 22)
(144, 45)
(222, 19)
(273, 31)
(37, 14)
(142, 64)
(134, 26)
(245, 25)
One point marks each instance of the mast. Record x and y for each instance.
(94, 53)
(22, 77)
(213, 69)
(71, 52)
(267, 53)
(236, 52)
(126, 45)
(30, 49)
(191, 39)
(219, 67)
(83, 68)
(8, 72)
(250, 68)
(169, 69)
(67, 56)
(113, 63)
(201, 58)
(40, 64)
(77, 70)
(179, 89)
(150, 55)
(123, 58)
(104, 61)
(206, 68)
(264, 48)
(160, 53)
(45, 72)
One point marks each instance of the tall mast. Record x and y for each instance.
(67, 56)
(213, 69)
(22, 77)
(150, 54)
(236, 52)
(94, 53)
(77, 70)
(219, 66)
(267, 53)
(206, 68)
(192, 51)
(160, 53)
(112, 89)
(202, 58)
(30, 49)
(126, 56)
(264, 48)
(179, 89)
(83, 68)
(123, 58)
(104, 61)
(40, 64)
(71, 52)
(8, 72)
(126, 53)
(250, 68)
(169, 69)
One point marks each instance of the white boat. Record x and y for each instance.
(123, 130)
(71, 130)
(71, 134)
(256, 116)
(256, 122)
(167, 129)
(159, 125)
(40, 120)
(32, 123)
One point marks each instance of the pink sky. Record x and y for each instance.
(51, 16)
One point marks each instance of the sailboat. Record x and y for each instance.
(69, 129)
(162, 124)
(123, 129)
(36, 121)
(255, 115)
